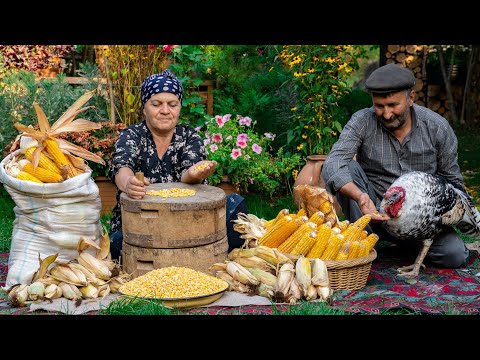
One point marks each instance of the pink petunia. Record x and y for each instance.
(206, 142)
(220, 121)
(257, 148)
(229, 137)
(213, 148)
(242, 144)
(226, 117)
(217, 138)
(270, 136)
(242, 137)
(247, 120)
(236, 153)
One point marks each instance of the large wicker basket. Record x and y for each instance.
(350, 274)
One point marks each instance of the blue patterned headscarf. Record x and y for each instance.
(163, 82)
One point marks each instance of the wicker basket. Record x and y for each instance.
(350, 274)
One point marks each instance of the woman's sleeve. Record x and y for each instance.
(126, 152)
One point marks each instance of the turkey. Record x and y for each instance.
(420, 205)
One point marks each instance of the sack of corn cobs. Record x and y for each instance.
(50, 218)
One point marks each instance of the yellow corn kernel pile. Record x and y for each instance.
(201, 166)
(173, 283)
(173, 192)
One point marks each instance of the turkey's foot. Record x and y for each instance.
(415, 270)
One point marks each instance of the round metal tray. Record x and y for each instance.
(188, 302)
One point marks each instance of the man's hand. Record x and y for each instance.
(368, 207)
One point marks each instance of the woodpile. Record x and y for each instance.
(432, 96)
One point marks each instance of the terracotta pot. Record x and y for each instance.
(311, 175)
(227, 186)
(108, 192)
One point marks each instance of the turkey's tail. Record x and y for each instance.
(469, 224)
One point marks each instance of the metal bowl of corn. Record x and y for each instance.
(176, 287)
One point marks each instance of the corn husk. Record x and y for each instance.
(285, 276)
(265, 291)
(18, 294)
(239, 273)
(294, 293)
(319, 273)
(96, 266)
(257, 263)
(311, 293)
(70, 291)
(53, 291)
(36, 291)
(225, 276)
(218, 267)
(273, 256)
(303, 274)
(263, 276)
(236, 253)
(324, 292)
(64, 273)
(89, 291)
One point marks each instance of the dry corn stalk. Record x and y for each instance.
(48, 135)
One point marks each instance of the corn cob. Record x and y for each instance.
(305, 244)
(343, 253)
(363, 234)
(353, 233)
(333, 247)
(282, 213)
(44, 161)
(22, 175)
(343, 225)
(288, 245)
(363, 221)
(279, 232)
(326, 207)
(59, 158)
(371, 240)
(317, 218)
(323, 234)
(301, 212)
(332, 217)
(354, 248)
(40, 173)
(362, 249)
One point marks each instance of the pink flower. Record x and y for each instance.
(236, 153)
(217, 138)
(220, 121)
(241, 143)
(226, 117)
(270, 136)
(197, 129)
(257, 148)
(206, 142)
(229, 137)
(213, 148)
(245, 121)
(167, 48)
(242, 137)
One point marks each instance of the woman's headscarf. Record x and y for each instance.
(163, 82)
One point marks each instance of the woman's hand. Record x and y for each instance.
(368, 207)
(202, 169)
(135, 188)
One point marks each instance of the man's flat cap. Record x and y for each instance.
(390, 78)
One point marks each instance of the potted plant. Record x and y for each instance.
(243, 156)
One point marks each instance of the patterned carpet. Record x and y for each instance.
(435, 291)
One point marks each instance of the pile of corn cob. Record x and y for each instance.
(85, 277)
(315, 235)
(269, 273)
(45, 158)
(53, 165)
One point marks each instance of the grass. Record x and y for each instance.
(469, 161)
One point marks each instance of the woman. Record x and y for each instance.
(158, 146)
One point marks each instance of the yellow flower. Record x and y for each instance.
(300, 147)
(304, 136)
(295, 174)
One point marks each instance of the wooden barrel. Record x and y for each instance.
(186, 231)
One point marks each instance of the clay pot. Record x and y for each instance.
(311, 175)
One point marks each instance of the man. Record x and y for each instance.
(393, 137)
